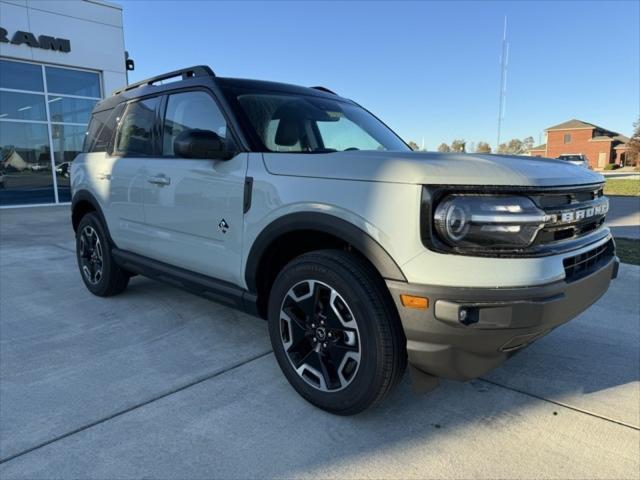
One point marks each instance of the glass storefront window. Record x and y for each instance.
(25, 164)
(35, 126)
(70, 110)
(67, 143)
(72, 82)
(22, 106)
(21, 76)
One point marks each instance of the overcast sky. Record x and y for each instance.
(429, 69)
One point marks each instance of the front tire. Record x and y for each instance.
(335, 333)
(100, 273)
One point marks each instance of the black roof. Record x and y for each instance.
(202, 75)
(273, 87)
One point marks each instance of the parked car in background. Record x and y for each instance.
(576, 159)
(64, 169)
(299, 206)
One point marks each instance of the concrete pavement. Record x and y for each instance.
(157, 383)
(624, 216)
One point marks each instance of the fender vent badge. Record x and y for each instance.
(223, 226)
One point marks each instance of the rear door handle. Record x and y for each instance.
(104, 176)
(159, 180)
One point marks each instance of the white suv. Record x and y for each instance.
(301, 207)
(577, 159)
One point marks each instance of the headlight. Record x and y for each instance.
(488, 222)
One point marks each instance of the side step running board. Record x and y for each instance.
(202, 285)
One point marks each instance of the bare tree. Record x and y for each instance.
(413, 145)
(527, 144)
(444, 148)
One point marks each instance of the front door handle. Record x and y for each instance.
(104, 176)
(159, 180)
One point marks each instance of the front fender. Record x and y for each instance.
(321, 222)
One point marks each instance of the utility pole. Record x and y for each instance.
(504, 60)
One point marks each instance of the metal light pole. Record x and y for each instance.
(504, 60)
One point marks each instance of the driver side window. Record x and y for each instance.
(191, 111)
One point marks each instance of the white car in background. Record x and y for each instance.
(579, 160)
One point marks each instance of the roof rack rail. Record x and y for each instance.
(195, 71)
(324, 89)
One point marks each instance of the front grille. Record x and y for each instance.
(581, 265)
(557, 203)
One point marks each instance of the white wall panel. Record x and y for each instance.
(12, 18)
(93, 11)
(94, 29)
(112, 81)
(93, 45)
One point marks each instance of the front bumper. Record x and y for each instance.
(497, 321)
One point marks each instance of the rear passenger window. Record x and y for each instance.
(98, 121)
(191, 111)
(101, 129)
(135, 134)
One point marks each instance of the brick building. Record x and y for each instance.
(601, 146)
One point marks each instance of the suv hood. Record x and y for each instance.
(431, 168)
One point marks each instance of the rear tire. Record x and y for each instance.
(334, 331)
(100, 273)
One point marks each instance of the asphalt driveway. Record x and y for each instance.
(624, 216)
(157, 383)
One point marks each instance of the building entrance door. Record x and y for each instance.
(602, 159)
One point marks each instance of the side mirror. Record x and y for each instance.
(203, 144)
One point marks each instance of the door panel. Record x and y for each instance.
(126, 173)
(193, 207)
(127, 179)
(183, 217)
(602, 159)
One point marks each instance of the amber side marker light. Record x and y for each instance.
(411, 301)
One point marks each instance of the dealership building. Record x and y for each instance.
(57, 59)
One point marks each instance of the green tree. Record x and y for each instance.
(444, 148)
(512, 147)
(414, 146)
(483, 147)
(458, 145)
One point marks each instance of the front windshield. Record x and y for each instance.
(307, 124)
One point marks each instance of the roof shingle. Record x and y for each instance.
(573, 123)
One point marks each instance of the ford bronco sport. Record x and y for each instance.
(301, 207)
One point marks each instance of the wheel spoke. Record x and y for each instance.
(98, 249)
(315, 364)
(294, 333)
(336, 354)
(329, 371)
(297, 317)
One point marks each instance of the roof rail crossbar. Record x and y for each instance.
(324, 89)
(195, 71)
